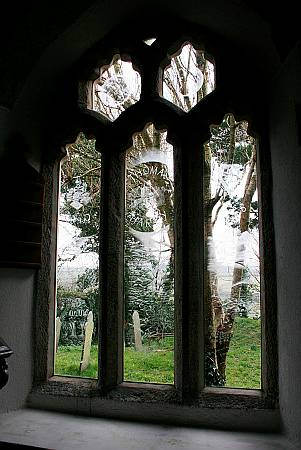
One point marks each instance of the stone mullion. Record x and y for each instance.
(192, 272)
(111, 270)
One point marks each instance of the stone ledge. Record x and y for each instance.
(59, 431)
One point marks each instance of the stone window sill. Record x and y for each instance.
(57, 431)
(218, 408)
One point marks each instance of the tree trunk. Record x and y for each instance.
(225, 331)
(213, 306)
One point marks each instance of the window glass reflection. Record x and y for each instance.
(232, 275)
(117, 88)
(189, 78)
(77, 261)
(149, 259)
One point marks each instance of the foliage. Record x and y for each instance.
(229, 185)
(143, 286)
(71, 326)
(88, 284)
(84, 296)
(234, 208)
(154, 303)
(79, 206)
(149, 191)
(80, 189)
(148, 285)
(230, 142)
(248, 297)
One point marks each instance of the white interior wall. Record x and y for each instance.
(16, 319)
(286, 167)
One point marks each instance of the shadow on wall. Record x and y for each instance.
(22, 195)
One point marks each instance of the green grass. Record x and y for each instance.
(68, 360)
(155, 364)
(244, 356)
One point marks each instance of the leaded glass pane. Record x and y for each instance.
(232, 275)
(77, 280)
(189, 78)
(149, 259)
(117, 88)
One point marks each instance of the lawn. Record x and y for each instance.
(244, 356)
(155, 363)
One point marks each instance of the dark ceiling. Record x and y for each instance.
(28, 29)
(284, 21)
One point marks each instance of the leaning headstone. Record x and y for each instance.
(137, 331)
(89, 326)
(58, 325)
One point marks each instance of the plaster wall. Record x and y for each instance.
(16, 312)
(286, 166)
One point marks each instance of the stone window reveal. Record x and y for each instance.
(174, 173)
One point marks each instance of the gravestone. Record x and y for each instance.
(58, 325)
(89, 326)
(137, 331)
(73, 314)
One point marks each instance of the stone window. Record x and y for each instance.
(164, 232)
